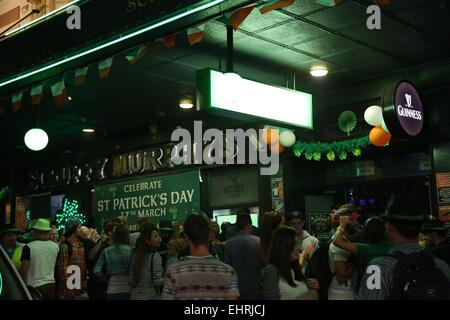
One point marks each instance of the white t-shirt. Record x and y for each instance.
(289, 293)
(337, 290)
(43, 256)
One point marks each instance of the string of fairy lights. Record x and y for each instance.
(69, 212)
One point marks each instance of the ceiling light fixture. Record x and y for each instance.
(36, 139)
(318, 71)
(121, 38)
(88, 130)
(186, 103)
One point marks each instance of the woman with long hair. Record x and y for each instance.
(114, 265)
(282, 277)
(271, 221)
(146, 276)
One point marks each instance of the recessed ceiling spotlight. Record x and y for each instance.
(318, 71)
(69, 98)
(88, 130)
(186, 103)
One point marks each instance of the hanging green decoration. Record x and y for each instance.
(347, 121)
(357, 152)
(314, 150)
(297, 153)
(317, 156)
(342, 155)
(69, 212)
(331, 155)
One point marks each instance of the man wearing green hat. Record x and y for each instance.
(8, 240)
(407, 272)
(39, 260)
(436, 238)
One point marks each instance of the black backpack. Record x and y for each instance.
(416, 277)
(318, 268)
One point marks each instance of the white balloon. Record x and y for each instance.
(287, 138)
(373, 115)
(384, 126)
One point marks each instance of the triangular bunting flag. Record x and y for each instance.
(169, 41)
(104, 67)
(80, 75)
(381, 2)
(137, 53)
(235, 19)
(274, 5)
(329, 3)
(196, 34)
(59, 92)
(36, 94)
(17, 101)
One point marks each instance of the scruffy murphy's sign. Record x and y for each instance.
(116, 166)
(172, 197)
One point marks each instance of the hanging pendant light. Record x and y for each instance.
(36, 139)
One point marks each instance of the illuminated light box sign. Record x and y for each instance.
(403, 110)
(231, 93)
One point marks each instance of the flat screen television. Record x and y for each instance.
(231, 218)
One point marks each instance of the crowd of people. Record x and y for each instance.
(199, 260)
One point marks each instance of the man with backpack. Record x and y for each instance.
(406, 273)
(71, 255)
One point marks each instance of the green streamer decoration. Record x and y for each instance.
(347, 121)
(343, 155)
(357, 152)
(314, 150)
(331, 155)
(317, 156)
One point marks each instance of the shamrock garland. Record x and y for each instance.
(331, 150)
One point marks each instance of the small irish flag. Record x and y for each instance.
(169, 41)
(17, 101)
(104, 67)
(137, 53)
(59, 92)
(274, 5)
(36, 94)
(236, 18)
(329, 3)
(80, 75)
(196, 34)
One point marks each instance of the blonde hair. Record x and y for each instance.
(175, 246)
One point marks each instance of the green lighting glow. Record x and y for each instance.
(69, 212)
(232, 93)
(121, 38)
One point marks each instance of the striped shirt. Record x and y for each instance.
(387, 265)
(200, 278)
(151, 278)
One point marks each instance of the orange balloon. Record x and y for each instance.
(378, 137)
(277, 148)
(270, 137)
